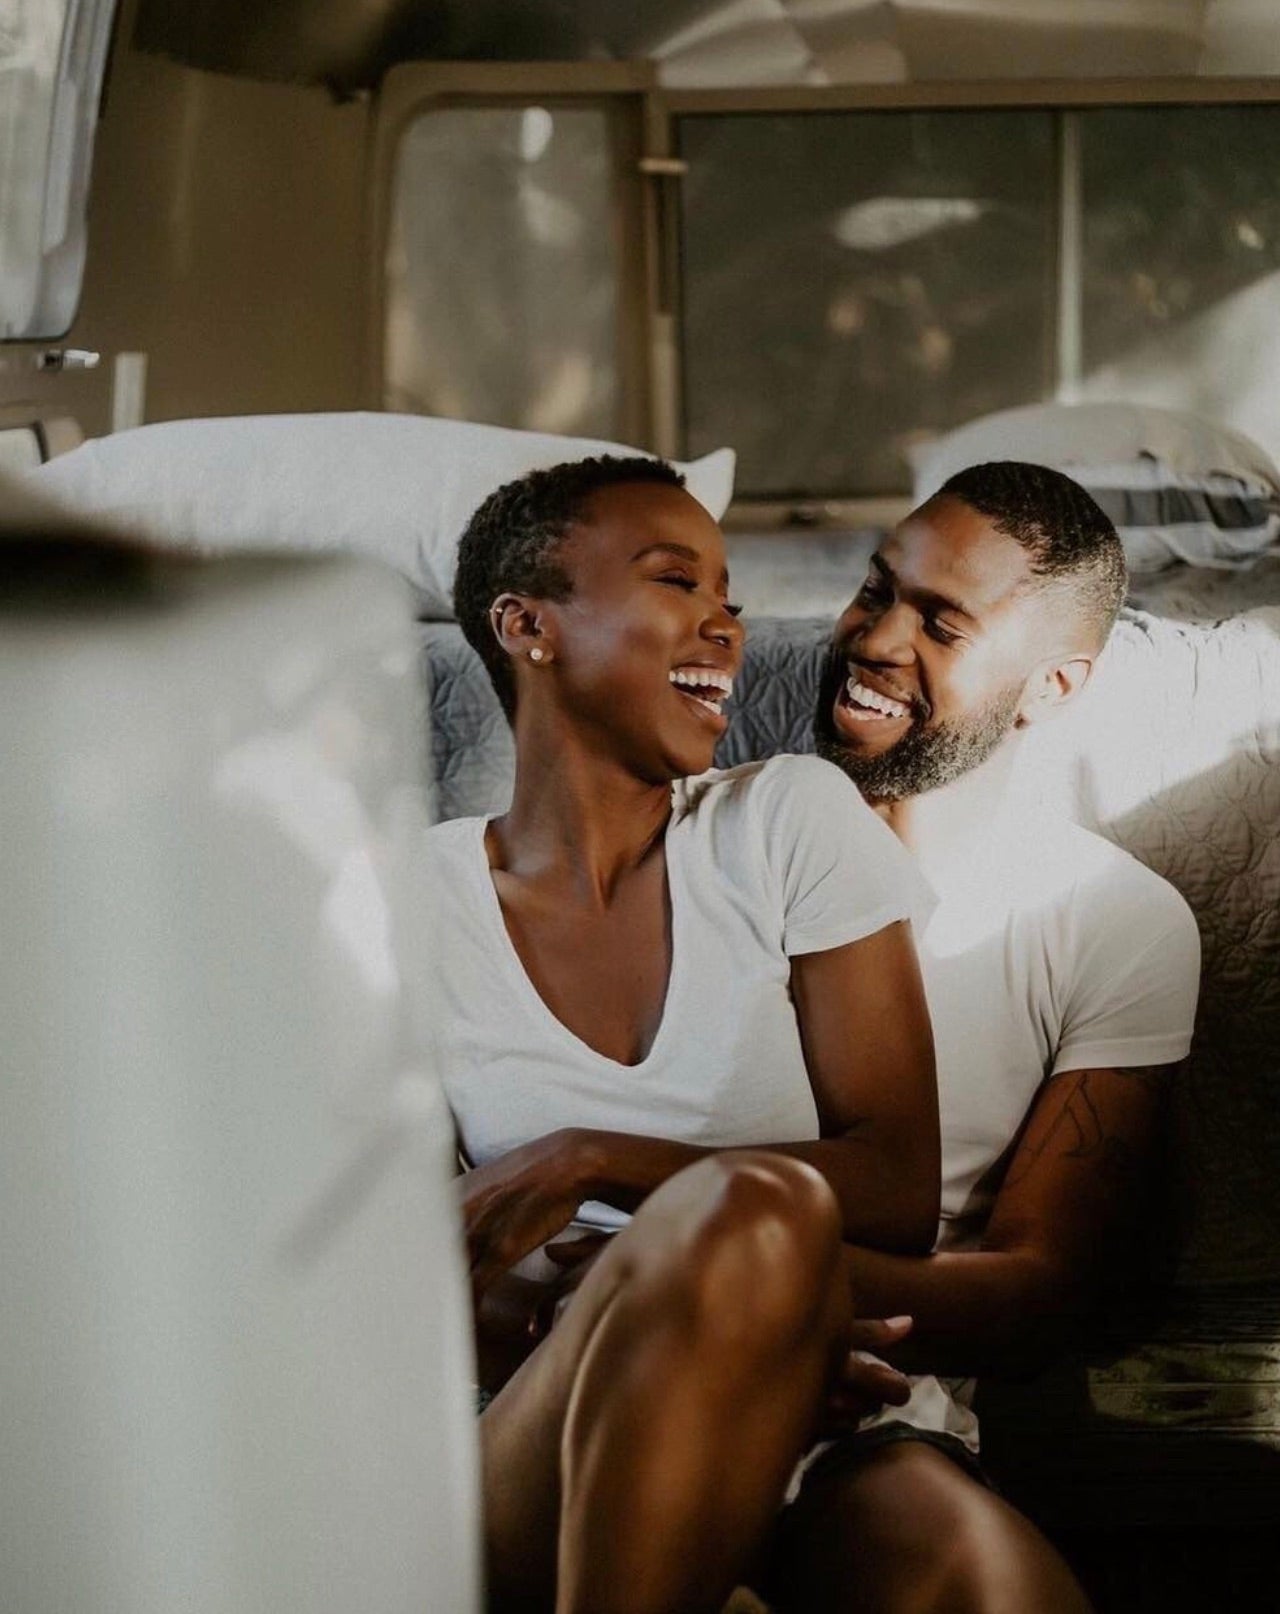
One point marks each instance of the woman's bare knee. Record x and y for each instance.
(758, 1255)
(699, 1386)
(713, 1304)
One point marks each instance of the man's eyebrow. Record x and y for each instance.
(923, 596)
(680, 552)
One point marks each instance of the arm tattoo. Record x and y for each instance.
(1077, 1133)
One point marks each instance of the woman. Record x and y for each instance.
(701, 1001)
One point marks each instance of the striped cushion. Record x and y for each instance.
(1214, 519)
(1177, 486)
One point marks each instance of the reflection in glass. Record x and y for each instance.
(501, 275)
(1182, 261)
(855, 282)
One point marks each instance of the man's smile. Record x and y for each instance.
(864, 701)
(861, 710)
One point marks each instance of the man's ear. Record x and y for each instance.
(1052, 685)
(520, 627)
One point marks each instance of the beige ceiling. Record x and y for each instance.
(859, 41)
(726, 43)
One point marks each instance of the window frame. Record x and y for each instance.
(1059, 96)
(416, 89)
(647, 214)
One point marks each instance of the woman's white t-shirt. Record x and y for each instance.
(764, 862)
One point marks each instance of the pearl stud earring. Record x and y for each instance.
(537, 653)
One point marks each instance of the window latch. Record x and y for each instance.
(67, 358)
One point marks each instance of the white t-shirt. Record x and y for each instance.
(1049, 950)
(764, 862)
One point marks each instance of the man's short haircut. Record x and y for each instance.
(1070, 539)
(512, 545)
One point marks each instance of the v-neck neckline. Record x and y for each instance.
(523, 985)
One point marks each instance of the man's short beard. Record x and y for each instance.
(927, 756)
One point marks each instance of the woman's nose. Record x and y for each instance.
(724, 628)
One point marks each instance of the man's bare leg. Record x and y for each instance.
(635, 1461)
(906, 1531)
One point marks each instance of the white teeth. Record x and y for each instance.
(862, 696)
(703, 678)
(694, 682)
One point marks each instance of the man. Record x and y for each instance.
(1062, 979)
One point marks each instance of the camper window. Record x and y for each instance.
(1180, 292)
(882, 277)
(51, 62)
(501, 285)
(614, 260)
(878, 277)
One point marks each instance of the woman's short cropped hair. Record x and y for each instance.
(512, 544)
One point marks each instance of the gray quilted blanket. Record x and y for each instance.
(1172, 753)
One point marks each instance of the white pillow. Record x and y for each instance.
(1176, 486)
(398, 488)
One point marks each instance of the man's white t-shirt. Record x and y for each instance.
(764, 862)
(1050, 950)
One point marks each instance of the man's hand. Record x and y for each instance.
(516, 1203)
(865, 1384)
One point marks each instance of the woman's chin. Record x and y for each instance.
(695, 760)
(676, 750)
(669, 760)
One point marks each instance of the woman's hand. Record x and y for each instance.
(516, 1314)
(575, 1257)
(514, 1204)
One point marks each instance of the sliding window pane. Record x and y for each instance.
(1181, 297)
(501, 270)
(855, 283)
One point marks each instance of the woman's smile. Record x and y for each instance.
(705, 690)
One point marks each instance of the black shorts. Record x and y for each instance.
(847, 1451)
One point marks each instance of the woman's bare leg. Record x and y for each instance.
(906, 1531)
(637, 1459)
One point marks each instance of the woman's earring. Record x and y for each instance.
(537, 653)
